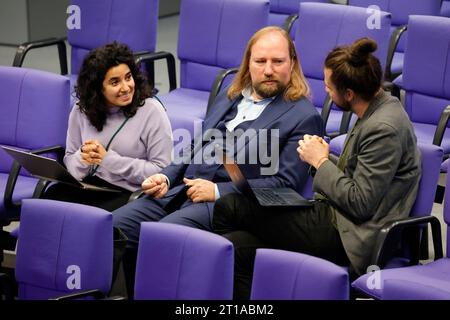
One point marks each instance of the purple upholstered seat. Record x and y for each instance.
(177, 262)
(321, 27)
(435, 286)
(135, 24)
(336, 144)
(429, 281)
(401, 10)
(426, 75)
(35, 108)
(285, 275)
(445, 8)
(212, 37)
(63, 248)
(431, 157)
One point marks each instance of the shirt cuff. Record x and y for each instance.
(167, 180)
(216, 191)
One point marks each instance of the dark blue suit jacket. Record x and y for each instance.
(292, 119)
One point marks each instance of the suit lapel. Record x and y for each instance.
(219, 114)
(270, 114)
(373, 106)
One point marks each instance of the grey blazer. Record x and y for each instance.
(380, 179)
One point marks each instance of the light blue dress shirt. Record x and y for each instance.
(249, 109)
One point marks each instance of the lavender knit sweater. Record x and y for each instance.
(141, 148)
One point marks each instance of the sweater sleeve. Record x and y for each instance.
(72, 158)
(157, 137)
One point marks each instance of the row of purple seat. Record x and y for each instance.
(284, 12)
(66, 248)
(174, 262)
(27, 127)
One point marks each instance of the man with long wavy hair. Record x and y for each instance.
(373, 182)
(269, 94)
(293, 88)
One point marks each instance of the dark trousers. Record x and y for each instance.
(249, 226)
(129, 218)
(109, 201)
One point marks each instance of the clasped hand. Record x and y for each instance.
(92, 152)
(155, 185)
(313, 150)
(199, 190)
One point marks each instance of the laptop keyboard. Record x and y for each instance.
(268, 196)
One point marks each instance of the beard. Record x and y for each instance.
(343, 105)
(268, 91)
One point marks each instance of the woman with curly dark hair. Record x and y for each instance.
(118, 134)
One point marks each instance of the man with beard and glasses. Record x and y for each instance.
(266, 106)
(374, 181)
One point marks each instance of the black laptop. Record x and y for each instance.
(266, 197)
(49, 169)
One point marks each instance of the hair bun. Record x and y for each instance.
(360, 50)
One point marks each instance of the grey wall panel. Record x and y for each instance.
(47, 18)
(13, 21)
(168, 7)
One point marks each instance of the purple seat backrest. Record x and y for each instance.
(426, 285)
(213, 35)
(177, 262)
(287, 6)
(62, 247)
(103, 21)
(445, 8)
(401, 10)
(35, 108)
(281, 9)
(413, 289)
(307, 190)
(431, 157)
(324, 26)
(426, 70)
(285, 275)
